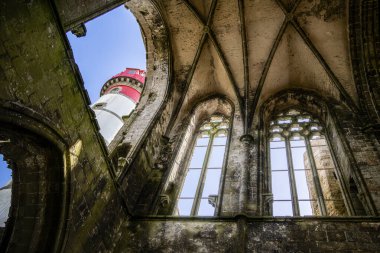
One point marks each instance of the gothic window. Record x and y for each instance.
(115, 90)
(200, 190)
(302, 170)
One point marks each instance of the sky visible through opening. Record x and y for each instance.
(5, 173)
(113, 42)
(5, 194)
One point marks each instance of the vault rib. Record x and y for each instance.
(228, 70)
(281, 5)
(198, 16)
(283, 8)
(192, 10)
(290, 18)
(211, 35)
(245, 64)
(189, 78)
(295, 6)
(267, 65)
(325, 66)
(195, 61)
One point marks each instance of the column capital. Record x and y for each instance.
(79, 30)
(247, 139)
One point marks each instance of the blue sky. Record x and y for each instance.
(5, 173)
(113, 42)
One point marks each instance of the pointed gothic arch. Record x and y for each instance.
(39, 159)
(183, 138)
(344, 159)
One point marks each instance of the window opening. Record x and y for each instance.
(199, 193)
(303, 180)
(99, 57)
(5, 190)
(115, 90)
(109, 67)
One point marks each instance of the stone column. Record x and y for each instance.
(247, 141)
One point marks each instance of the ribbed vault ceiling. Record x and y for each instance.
(249, 50)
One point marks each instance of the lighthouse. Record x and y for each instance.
(118, 97)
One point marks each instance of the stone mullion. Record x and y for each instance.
(198, 193)
(269, 195)
(292, 178)
(317, 184)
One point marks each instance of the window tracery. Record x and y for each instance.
(303, 178)
(200, 190)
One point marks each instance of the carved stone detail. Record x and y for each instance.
(267, 200)
(119, 155)
(80, 30)
(165, 154)
(164, 200)
(213, 200)
(267, 197)
(247, 139)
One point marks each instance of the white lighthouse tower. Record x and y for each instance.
(118, 98)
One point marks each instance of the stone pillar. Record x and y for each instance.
(247, 141)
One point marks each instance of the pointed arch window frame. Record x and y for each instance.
(212, 132)
(305, 131)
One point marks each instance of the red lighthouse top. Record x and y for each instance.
(137, 74)
(128, 83)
